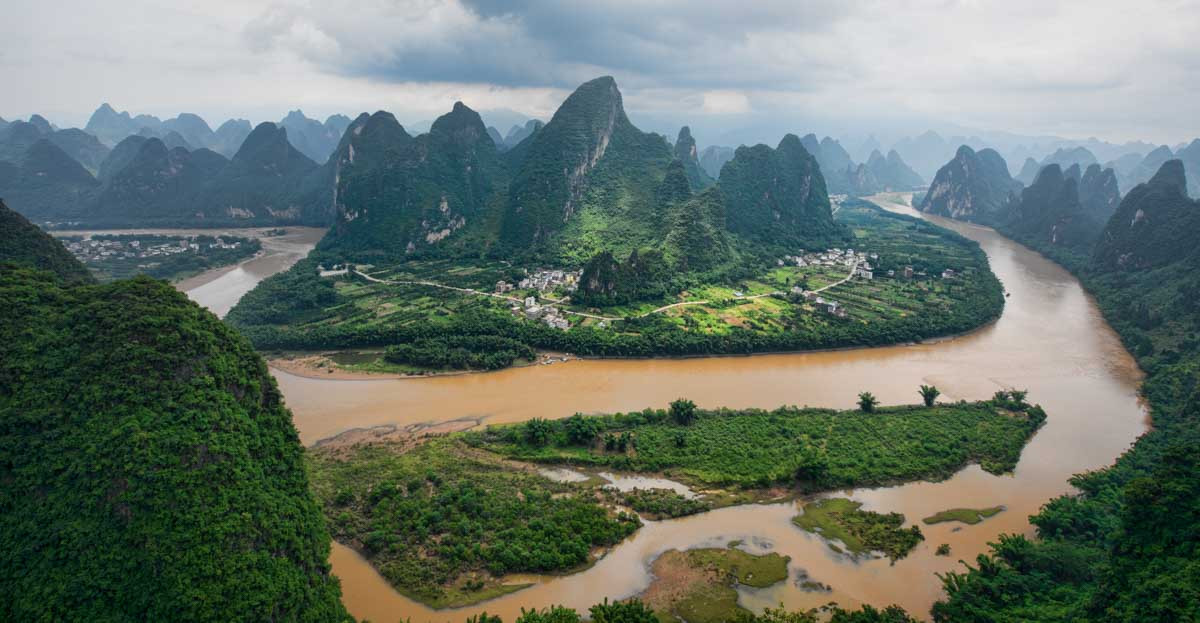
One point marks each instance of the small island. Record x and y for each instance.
(699, 585)
(447, 516)
(860, 532)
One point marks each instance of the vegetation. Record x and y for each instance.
(965, 515)
(943, 550)
(658, 504)
(814, 449)
(150, 469)
(859, 531)
(929, 394)
(461, 352)
(297, 310)
(444, 523)
(867, 402)
(698, 585)
(23, 244)
(778, 197)
(1125, 548)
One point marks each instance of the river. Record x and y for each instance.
(220, 289)
(1051, 340)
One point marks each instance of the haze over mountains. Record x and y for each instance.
(193, 174)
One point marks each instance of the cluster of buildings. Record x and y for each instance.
(830, 257)
(543, 281)
(92, 249)
(334, 270)
(548, 314)
(822, 304)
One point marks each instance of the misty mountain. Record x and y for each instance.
(973, 186)
(111, 126)
(1029, 171)
(687, 155)
(191, 128)
(497, 140)
(713, 157)
(1065, 157)
(312, 138)
(46, 183)
(518, 133)
(1155, 224)
(1062, 209)
(229, 137)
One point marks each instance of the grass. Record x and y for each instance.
(699, 585)
(884, 310)
(817, 449)
(444, 523)
(970, 516)
(859, 531)
(748, 569)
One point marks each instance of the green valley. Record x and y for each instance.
(907, 280)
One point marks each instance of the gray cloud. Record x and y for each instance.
(1112, 69)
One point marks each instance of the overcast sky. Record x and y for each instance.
(1115, 70)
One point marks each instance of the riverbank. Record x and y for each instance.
(324, 366)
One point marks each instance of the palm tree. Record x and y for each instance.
(867, 402)
(683, 411)
(929, 393)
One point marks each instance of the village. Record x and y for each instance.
(544, 282)
(128, 247)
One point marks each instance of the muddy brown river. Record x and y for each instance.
(1050, 340)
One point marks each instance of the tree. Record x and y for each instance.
(553, 614)
(631, 611)
(537, 431)
(867, 402)
(581, 431)
(683, 411)
(812, 468)
(929, 393)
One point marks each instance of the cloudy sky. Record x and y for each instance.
(734, 70)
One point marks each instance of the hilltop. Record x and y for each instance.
(138, 428)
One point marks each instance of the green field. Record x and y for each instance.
(816, 449)
(748, 308)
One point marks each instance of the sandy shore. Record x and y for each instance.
(320, 366)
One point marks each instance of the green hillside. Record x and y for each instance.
(1127, 547)
(23, 244)
(150, 469)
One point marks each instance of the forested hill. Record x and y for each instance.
(150, 469)
(1127, 548)
(973, 186)
(23, 244)
(587, 183)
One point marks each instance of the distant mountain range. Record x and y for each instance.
(314, 139)
(1064, 208)
(147, 181)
